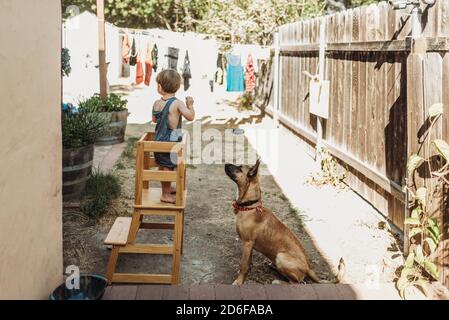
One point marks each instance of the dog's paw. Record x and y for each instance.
(237, 282)
(276, 282)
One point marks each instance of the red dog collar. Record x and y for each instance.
(238, 208)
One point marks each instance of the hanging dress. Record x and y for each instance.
(139, 71)
(250, 76)
(148, 66)
(154, 57)
(165, 133)
(186, 72)
(235, 75)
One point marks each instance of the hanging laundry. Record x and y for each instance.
(154, 57)
(250, 76)
(126, 49)
(139, 70)
(219, 74)
(235, 75)
(148, 66)
(186, 72)
(172, 58)
(133, 58)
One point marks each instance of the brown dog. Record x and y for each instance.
(260, 229)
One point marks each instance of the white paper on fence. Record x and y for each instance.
(319, 98)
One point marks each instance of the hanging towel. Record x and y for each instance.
(235, 74)
(172, 58)
(154, 57)
(126, 48)
(139, 71)
(219, 72)
(148, 66)
(133, 58)
(250, 76)
(186, 72)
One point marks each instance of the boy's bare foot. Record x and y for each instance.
(168, 198)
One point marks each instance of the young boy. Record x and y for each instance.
(167, 113)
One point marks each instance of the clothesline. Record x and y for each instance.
(147, 33)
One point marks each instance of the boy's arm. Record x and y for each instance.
(186, 109)
(153, 117)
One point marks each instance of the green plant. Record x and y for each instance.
(246, 101)
(113, 103)
(81, 129)
(425, 232)
(101, 189)
(329, 173)
(65, 62)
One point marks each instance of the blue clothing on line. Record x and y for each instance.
(166, 134)
(235, 74)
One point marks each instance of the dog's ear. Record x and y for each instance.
(253, 171)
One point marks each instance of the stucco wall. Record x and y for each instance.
(30, 148)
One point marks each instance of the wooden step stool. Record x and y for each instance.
(122, 235)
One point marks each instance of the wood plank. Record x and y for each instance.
(159, 175)
(118, 235)
(147, 249)
(277, 292)
(141, 278)
(202, 292)
(326, 291)
(175, 293)
(346, 292)
(157, 226)
(149, 292)
(434, 44)
(227, 292)
(153, 146)
(177, 243)
(253, 292)
(302, 292)
(123, 293)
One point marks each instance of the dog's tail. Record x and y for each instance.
(341, 272)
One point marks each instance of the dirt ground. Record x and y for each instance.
(211, 247)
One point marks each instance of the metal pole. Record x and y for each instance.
(102, 50)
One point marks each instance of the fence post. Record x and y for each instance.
(102, 50)
(276, 79)
(321, 73)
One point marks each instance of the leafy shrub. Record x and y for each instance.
(113, 103)
(65, 61)
(425, 231)
(101, 189)
(81, 129)
(246, 101)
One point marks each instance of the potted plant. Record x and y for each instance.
(79, 133)
(114, 109)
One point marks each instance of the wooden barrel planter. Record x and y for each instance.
(77, 167)
(115, 131)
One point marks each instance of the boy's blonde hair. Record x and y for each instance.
(170, 80)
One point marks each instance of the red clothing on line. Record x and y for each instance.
(139, 71)
(250, 76)
(148, 66)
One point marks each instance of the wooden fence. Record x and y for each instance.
(381, 84)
